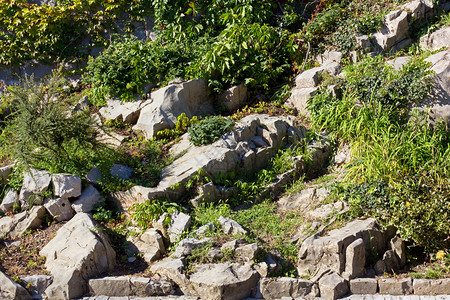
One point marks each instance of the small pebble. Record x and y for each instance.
(131, 259)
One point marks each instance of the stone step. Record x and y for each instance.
(392, 297)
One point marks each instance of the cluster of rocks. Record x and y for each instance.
(394, 33)
(164, 105)
(255, 139)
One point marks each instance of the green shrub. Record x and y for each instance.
(255, 54)
(42, 132)
(209, 130)
(144, 213)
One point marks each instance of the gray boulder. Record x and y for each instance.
(11, 198)
(178, 224)
(59, 208)
(276, 288)
(418, 8)
(438, 104)
(35, 182)
(225, 281)
(230, 226)
(394, 30)
(127, 112)
(89, 197)
(77, 252)
(332, 286)
(169, 102)
(66, 186)
(5, 172)
(232, 98)
(10, 290)
(172, 269)
(186, 246)
(36, 284)
(15, 226)
(436, 40)
(330, 251)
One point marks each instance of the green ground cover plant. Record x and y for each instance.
(209, 130)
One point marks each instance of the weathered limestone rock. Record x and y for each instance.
(205, 228)
(393, 286)
(35, 182)
(169, 102)
(394, 30)
(398, 246)
(363, 286)
(355, 259)
(438, 104)
(436, 40)
(178, 224)
(299, 98)
(311, 78)
(225, 281)
(94, 176)
(127, 112)
(276, 288)
(11, 198)
(78, 251)
(230, 226)
(232, 98)
(329, 251)
(10, 290)
(15, 226)
(431, 286)
(36, 284)
(399, 62)
(110, 286)
(89, 197)
(65, 186)
(248, 252)
(153, 237)
(332, 286)
(172, 269)
(328, 57)
(142, 287)
(418, 8)
(59, 208)
(324, 211)
(5, 172)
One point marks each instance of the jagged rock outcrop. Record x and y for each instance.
(436, 40)
(166, 104)
(78, 251)
(10, 290)
(254, 140)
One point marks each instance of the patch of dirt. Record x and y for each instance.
(21, 256)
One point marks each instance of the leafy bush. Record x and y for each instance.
(209, 130)
(255, 54)
(49, 33)
(128, 65)
(181, 126)
(144, 213)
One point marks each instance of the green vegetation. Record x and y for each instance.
(41, 132)
(144, 213)
(47, 33)
(209, 130)
(400, 170)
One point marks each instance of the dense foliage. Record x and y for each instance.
(400, 161)
(209, 130)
